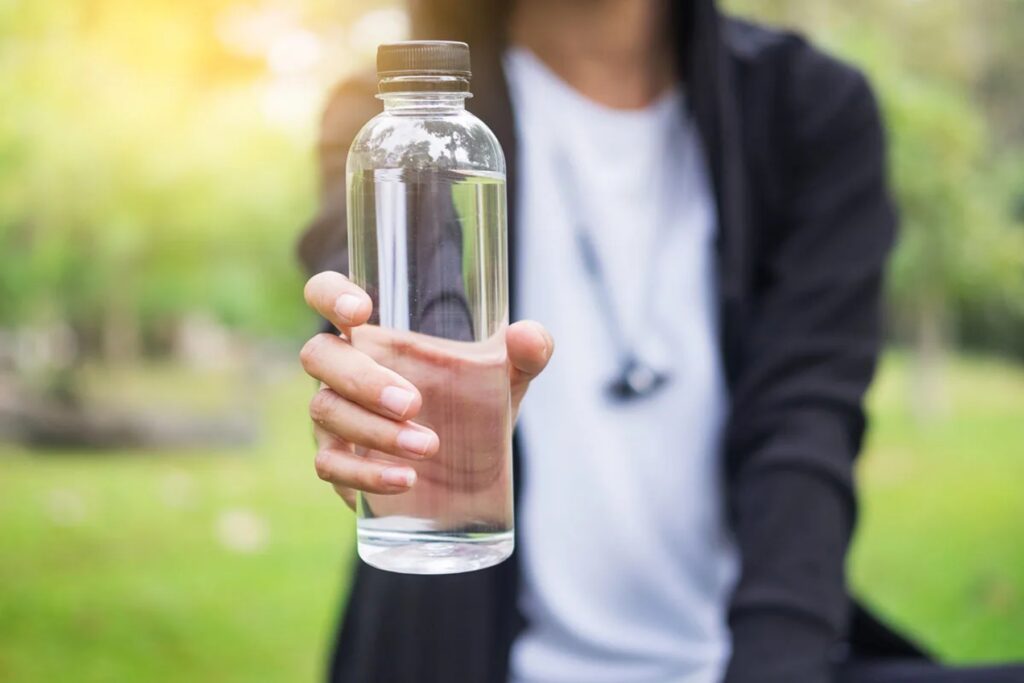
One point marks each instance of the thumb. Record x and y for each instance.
(529, 349)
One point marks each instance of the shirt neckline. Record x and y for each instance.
(518, 58)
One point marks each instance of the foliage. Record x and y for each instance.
(944, 72)
(138, 177)
(156, 158)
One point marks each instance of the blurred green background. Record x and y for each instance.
(159, 516)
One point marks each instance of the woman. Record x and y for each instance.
(726, 183)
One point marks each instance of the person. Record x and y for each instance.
(699, 215)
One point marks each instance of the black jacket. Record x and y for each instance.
(796, 152)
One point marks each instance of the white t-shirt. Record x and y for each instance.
(626, 555)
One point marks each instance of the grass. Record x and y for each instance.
(940, 548)
(229, 566)
(223, 566)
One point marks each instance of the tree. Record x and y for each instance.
(959, 248)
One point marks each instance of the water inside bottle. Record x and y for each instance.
(431, 254)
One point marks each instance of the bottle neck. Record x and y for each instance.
(421, 93)
(424, 102)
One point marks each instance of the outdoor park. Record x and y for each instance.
(160, 519)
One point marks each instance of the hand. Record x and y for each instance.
(364, 413)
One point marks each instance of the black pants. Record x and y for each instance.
(921, 671)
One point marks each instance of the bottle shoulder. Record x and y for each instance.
(456, 141)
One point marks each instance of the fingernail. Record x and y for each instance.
(397, 400)
(399, 476)
(347, 306)
(415, 441)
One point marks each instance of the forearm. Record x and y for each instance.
(790, 607)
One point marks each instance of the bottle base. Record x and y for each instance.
(433, 553)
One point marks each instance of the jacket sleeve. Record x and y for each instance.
(805, 362)
(324, 243)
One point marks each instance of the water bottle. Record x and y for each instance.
(427, 241)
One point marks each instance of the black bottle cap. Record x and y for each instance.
(423, 57)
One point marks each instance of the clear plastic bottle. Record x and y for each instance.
(427, 241)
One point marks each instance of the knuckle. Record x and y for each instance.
(323, 467)
(311, 350)
(322, 406)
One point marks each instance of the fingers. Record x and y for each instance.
(325, 441)
(336, 298)
(357, 425)
(348, 495)
(529, 350)
(345, 470)
(358, 378)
